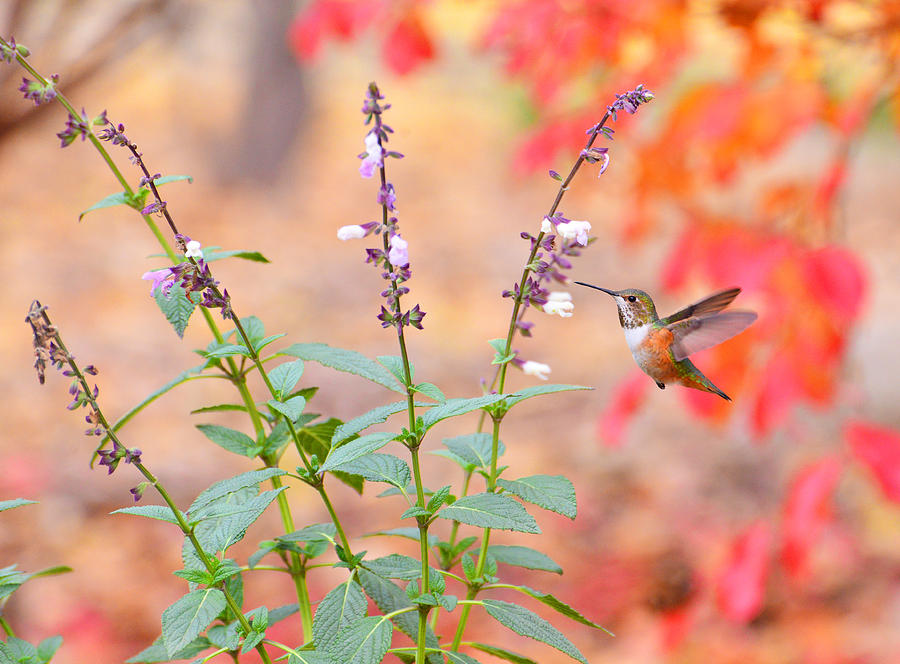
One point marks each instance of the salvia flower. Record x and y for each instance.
(193, 250)
(546, 226)
(574, 230)
(154, 207)
(138, 491)
(75, 127)
(629, 101)
(560, 303)
(399, 253)
(39, 93)
(373, 157)
(595, 155)
(111, 458)
(163, 279)
(532, 368)
(356, 231)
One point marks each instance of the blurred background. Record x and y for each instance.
(766, 530)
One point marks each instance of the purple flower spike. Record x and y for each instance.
(39, 93)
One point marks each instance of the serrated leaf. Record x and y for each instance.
(502, 653)
(552, 492)
(348, 361)
(157, 652)
(527, 623)
(389, 597)
(177, 307)
(537, 390)
(522, 556)
(394, 364)
(395, 566)
(364, 421)
(18, 650)
(337, 610)
(252, 640)
(230, 439)
(225, 636)
(439, 498)
(365, 641)
(320, 532)
(15, 502)
(474, 448)
(228, 524)
(262, 343)
(415, 511)
(284, 377)
(227, 350)
(454, 407)
(355, 449)
(377, 467)
(310, 657)
(408, 533)
(454, 657)
(255, 256)
(183, 621)
(219, 408)
(224, 487)
(491, 510)
(159, 512)
(431, 391)
(291, 409)
(558, 605)
(118, 198)
(316, 438)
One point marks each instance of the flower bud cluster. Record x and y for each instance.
(39, 93)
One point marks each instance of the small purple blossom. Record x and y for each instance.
(162, 279)
(111, 458)
(75, 127)
(356, 231)
(387, 198)
(574, 230)
(154, 207)
(399, 253)
(9, 50)
(39, 93)
(629, 101)
(373, 157)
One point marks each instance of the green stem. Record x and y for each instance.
(296, 568)
(334, 518)
(6, 627)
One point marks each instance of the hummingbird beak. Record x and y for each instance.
(608, 292)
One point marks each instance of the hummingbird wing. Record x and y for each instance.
(700, 332)
(708, 305)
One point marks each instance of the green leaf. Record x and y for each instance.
(320, 532)
(500, 356)
(110, 201)
(560, 606)
(355, 449)
(262, 343)
(291, 409)
(158, 653)
(474, 448)
(255, 256)
(310, 657)
(160, 512)
(220, 408)
(377, 467)
(52, 571)
(183, 621)
(491, 510)
(365, 641)
(166, 179)
(337, 610)
(252, 640)
(389, 597)
(284, 377)
(18, 650)
(15, 502)
(229, 439)
(224, 487)
(395, 566)
(227, 523)
(522, 556)
(502, 653)
(454, 407)
(225, 636)
(374, 416)
(552, 492)
(254, 328)
(226, 350)
(537, 390)
(316, 438)
(459, 658)
(431, 391)
(177, 307)
(440, 497)
(48, 647)
(394, 364)
(415, 511)
(408, 533)
(348, 361)
(278, 614)
(527, 623)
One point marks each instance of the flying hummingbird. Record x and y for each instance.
(661, 346)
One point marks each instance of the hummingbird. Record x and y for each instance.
(661, 346)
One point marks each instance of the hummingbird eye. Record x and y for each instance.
(632, 298)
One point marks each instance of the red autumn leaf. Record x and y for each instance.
(741, 587)
(342, 19)
(878, 449)
(627, 397)
(675, 625)
(807, 512)
(835, 278)
(407, 45)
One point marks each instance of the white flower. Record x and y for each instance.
(193, 250)
(546, 226)
(373, 158)
(352, 232)
(399, 254)
(559, 302)
(536, 369)
(575, 230)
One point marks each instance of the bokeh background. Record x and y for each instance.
(766, 530)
